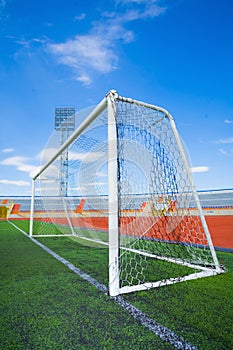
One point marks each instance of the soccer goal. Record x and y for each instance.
(128, 187)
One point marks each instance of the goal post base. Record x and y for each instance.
(170, 281)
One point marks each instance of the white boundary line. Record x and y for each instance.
(160, 331)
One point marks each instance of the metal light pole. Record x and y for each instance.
(65, 123)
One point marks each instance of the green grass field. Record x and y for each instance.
(44, 305)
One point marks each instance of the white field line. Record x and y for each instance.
(162, 332)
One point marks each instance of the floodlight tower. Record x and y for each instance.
(65, 123)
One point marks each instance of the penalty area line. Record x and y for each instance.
(160, 331)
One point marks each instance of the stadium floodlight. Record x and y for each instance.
(65, 123)
(131, 190)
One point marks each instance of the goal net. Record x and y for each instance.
(128, 186)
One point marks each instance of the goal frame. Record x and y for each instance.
(108, 102)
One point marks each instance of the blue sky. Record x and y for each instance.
(176, 54)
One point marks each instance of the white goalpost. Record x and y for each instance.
(129, 188)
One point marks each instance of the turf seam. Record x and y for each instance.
(162, 332)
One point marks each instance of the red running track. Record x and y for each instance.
(221, 230)
(220, 227)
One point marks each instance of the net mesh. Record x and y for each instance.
(83, 209)
(161, 234)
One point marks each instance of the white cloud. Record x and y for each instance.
(85, 79)
(80, 17)
(28, 43)
(226, 153)
(86, 157)
(21, 164)
(7, 150)
(15, 161)
(199, 169)
(85, 52)
(228, 121)
(15, 182)
(225, 141)
(30, 169)
(95, 52)
(149, 12)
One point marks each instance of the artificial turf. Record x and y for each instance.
(44, 305)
